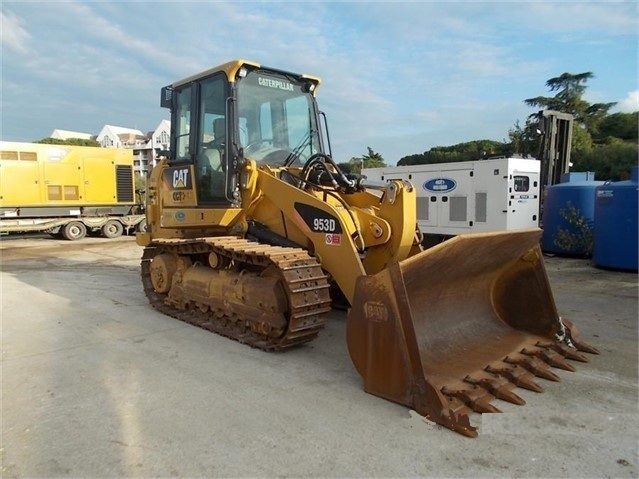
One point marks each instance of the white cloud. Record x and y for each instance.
(400, 77)
(583, 17)
(106, 32)
(13, 35)
(630, 104)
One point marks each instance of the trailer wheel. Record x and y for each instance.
(112, 229)
(55, 232)
(141, 226)
(74, 231)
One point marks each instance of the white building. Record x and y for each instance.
(160, 138)
(67, 135)
(118, 136)
(145, 146)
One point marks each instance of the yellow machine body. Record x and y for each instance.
(254, 231)
(68, 191)
(35, 174)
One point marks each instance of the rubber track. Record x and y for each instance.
(304, 281)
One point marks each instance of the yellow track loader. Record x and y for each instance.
(254, 232)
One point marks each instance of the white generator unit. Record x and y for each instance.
(471, 196)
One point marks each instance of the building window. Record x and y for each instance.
(163, 138)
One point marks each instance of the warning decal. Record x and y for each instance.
(334, 239)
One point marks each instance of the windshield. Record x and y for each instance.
(277, 121)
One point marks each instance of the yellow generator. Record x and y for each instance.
(255, 232)
(68, 190)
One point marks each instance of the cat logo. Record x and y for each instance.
(178, 178)
(181, 178)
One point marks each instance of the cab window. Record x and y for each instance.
(277, 119)
(182, 127)
(209, 161)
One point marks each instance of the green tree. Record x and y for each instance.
(524, 141)
(570, 89)
(370, 160)
(624, 126)
(468, 151)
(577, 237)
(581, 140)
(612, 161)
(70, 141)
(603, 143)
(140, 182)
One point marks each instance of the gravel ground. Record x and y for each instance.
(95, 383)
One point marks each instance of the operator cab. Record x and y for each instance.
(236, 112)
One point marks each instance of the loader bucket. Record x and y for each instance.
(450, 329)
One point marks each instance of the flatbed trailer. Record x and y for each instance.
(68, 191)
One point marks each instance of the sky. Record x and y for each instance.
(398, 77)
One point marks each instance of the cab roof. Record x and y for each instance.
(232, 67)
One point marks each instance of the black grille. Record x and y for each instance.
(124, 183)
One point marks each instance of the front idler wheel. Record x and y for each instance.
(163, 267)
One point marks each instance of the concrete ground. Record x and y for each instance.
(95, 383)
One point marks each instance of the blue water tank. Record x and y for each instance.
(569, 215)
(616, 228)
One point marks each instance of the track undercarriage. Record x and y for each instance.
(268, 297)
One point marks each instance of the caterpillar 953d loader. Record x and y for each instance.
(253, 230)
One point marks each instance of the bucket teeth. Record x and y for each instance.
(575, 339)
(551, 357)
(565, 351)
(453, 346)
(475, 398)
(534, 365)
(518, 376)
(585, 347)
(499, 387)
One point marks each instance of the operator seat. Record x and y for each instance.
(213, 156)
(213, 149)
(219, 133)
